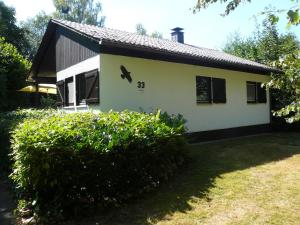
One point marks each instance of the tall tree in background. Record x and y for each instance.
(13, 71)
(140, 29)
(35, 28)
(10, 31)
(267, 46)
(80, 11)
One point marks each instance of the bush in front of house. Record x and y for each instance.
(8, 121)
(66, 162)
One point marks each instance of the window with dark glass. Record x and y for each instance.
(92, 86)
(251, 92)
(80, 89)
(87, 89)
(203, 89)
(261, 93)
(210, 90)
(256, 93)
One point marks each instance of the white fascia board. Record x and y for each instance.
(84, 66)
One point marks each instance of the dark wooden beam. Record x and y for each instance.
(45, 80)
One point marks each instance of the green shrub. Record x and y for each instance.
(13, 71)
(48, 101)
(68, 161)
(8, 121)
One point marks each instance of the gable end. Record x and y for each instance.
(72, 48)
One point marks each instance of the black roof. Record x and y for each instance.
(143, 43)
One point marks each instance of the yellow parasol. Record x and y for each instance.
(42, 88)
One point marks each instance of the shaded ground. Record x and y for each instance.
(254, 180)
(7, 205)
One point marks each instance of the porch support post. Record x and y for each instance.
(74, 93)
(36, 95)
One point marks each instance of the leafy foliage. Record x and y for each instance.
(266, 46)
(140, 29)
(48, 101)
(13, 71)
(292, 13)
(34, 31)
(290, 82)
(10, 31)
(65, 162)
(8, 122)
(84, 11)
(231, 5)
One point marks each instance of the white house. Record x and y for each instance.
(103, 69)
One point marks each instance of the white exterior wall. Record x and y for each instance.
(84, 66)
(172, 88)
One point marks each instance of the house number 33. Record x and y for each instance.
(141, 84)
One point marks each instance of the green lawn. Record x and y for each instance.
(253, 180)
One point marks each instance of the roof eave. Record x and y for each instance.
(118, 48)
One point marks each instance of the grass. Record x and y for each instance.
(254, 180)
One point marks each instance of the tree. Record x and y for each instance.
(290, 83)
(156, 34)
(10, 31)
(244, 48)
(140, 29)
(13, 71)
(267, 46)
(80, 11)
(292, 12)
(34, 31)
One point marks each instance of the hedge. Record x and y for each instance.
(66, 162)
(8, 121)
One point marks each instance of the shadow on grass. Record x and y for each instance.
(207, 162)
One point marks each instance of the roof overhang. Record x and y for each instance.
(115, 48)
(118, 48)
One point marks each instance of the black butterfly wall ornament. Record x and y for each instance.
(125, 74)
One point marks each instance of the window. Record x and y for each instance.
(92, 86)
(203, 89)
(256, 93)
(60, 92)
(251, 92)
(261, 93)
(210, 90)
(80, 89)
(87, 89)
(69, 91)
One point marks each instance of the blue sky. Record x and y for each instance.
(206, 28)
